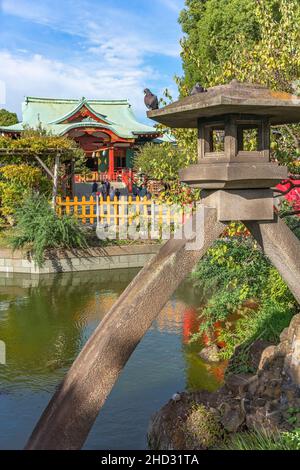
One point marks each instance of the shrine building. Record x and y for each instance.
(107, 130)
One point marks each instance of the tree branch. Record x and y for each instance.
(47, 170)
(294, 137)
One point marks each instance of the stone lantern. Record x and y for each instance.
(236, 176)
(233, 123)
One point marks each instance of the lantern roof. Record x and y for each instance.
(234, 98)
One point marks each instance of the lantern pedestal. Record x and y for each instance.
(241, 204)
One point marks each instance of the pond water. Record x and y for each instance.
(44, 324)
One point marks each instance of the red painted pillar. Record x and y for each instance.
(130, 180)
(111, 162)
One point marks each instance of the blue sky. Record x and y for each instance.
(94, 48)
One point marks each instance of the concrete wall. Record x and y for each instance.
(112, 257)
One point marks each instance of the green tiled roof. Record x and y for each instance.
(50, 113)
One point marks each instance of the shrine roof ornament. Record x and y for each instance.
(234, 98)
(85, 110)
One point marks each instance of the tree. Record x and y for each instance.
(53, 155)
(211, 28)
(258, 44)
(7, 118)
(160, 162)
(16, 183)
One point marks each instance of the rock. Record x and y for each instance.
(292, 359)
(255, 351)
(284, 335)
(176, 397)
(253, 354)
(166, 427)
(236, 383)
(273, 389)
(267, 355)
(210, 353)
(294, 327)
(232, 418)
(259, 402)
(252, 385)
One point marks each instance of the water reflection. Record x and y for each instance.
(45, 323)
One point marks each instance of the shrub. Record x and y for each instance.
(40, 228)
(245, 294)
(16, 182)
(161, 162)
(202, 428)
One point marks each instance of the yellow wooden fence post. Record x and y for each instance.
(67, 205)
(75, 206)
(59, 203)
(92, 215)
(83, 209)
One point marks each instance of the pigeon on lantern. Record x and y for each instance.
(197, 89)
(150, 99)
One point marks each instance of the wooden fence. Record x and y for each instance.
(122, 211)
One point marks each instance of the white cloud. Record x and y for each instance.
(107, 51)
(39, 76)
(2, 92)
(174, 5)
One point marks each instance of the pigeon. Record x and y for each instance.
(150, 100)
(197, 89)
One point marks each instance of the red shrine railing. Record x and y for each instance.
(124, 175)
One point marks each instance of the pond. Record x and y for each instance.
(44, 323)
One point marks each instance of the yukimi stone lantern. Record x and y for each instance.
(236, 175)
(234, 167)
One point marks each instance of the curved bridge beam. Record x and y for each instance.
(73, 409)
(282, 247)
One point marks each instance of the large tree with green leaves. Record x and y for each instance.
(211, 28)
(7, 118)
(248, 40)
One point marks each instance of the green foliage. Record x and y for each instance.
(16, 182)
(7, 118)
(232, 269)
(42, 143)
(39, 228)
(266, 323)
(293, 221)
(21, 172)
(248, 40)
(263, 441)
(179, 194)
(293, 416)
(161, 162)
(211, 29)
(233, 274)
(186, 139)
(202, 429)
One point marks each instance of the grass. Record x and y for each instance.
(263, 441)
